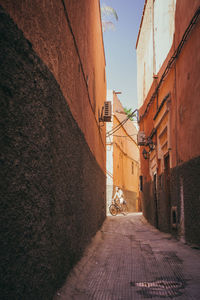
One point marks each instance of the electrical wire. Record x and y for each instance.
(80, 61)
(125, 120)
(125, 136)
(119, 125)
(113, 130)
(109, 173)
(173, 59)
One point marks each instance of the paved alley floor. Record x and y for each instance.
(130, 259)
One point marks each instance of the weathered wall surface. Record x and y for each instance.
(109, 157)
(67, 36)
(155, 39)
(172, 121)
(122, 156)
(186, 177)
(132, 200)
(188, 85)
(125, 156)
(145, 65)
(163, 205)
(155, 205)
(147, 199)
(163, 30)
(52, 186)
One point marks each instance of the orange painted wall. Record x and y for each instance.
(188, 84)
(125, 154)
(182, 82)
(74, 53)
(171, 172)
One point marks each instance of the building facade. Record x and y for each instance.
(168, 91)
(53, 150)
(122, 156)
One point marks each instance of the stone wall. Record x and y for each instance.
(67, 36)
(186, 178)
(187, 175)
(147, 199)
(52, 188)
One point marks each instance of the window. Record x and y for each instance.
(132, 167)
(141, 183)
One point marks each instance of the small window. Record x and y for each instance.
(132, 167)
(141, 183)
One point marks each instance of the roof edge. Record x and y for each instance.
(141, 24)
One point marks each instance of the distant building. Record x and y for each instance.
(122, 156)
(168, 59)
(53, 151)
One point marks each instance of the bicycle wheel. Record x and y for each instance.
(113, 210)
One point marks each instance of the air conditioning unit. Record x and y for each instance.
(107, 111)
(141, 138)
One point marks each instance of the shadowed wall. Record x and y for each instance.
(52, 188)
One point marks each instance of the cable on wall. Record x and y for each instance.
(113, 130)
(173, 59)
(80, 61)
(77, 50)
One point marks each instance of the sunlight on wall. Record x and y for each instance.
(154, 43)
(122, 156)
(164, 12)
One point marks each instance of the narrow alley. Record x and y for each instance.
(130, 259)
(100, 114)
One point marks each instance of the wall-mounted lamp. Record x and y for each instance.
(145, 154)
(145, 141)
(151, 145)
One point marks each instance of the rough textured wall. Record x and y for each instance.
(67, 36)
(156, 205)
(52, 188)
(148, 204)
(156, 208)
(163, 205)
(187, 83)
(189, 174)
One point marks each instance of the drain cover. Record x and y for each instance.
(161, 287)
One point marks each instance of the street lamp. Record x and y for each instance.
(151, 145)
(145, 154)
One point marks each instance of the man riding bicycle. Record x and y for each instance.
(119, 197)
(118, 204)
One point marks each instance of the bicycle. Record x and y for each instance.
(116, 208)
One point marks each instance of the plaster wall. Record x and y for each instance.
(52, 149)
(174, 122)
(188, 85)
(66, 50)
(164, 12)
(154, 42)
(122, 156)
(125, 157)
(145, 54)
(109, 157)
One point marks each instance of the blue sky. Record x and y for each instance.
(119, 44)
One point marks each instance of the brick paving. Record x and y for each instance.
(130, 259)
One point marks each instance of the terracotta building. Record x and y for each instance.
(53, 149)
(122, 156)
(168, 60)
